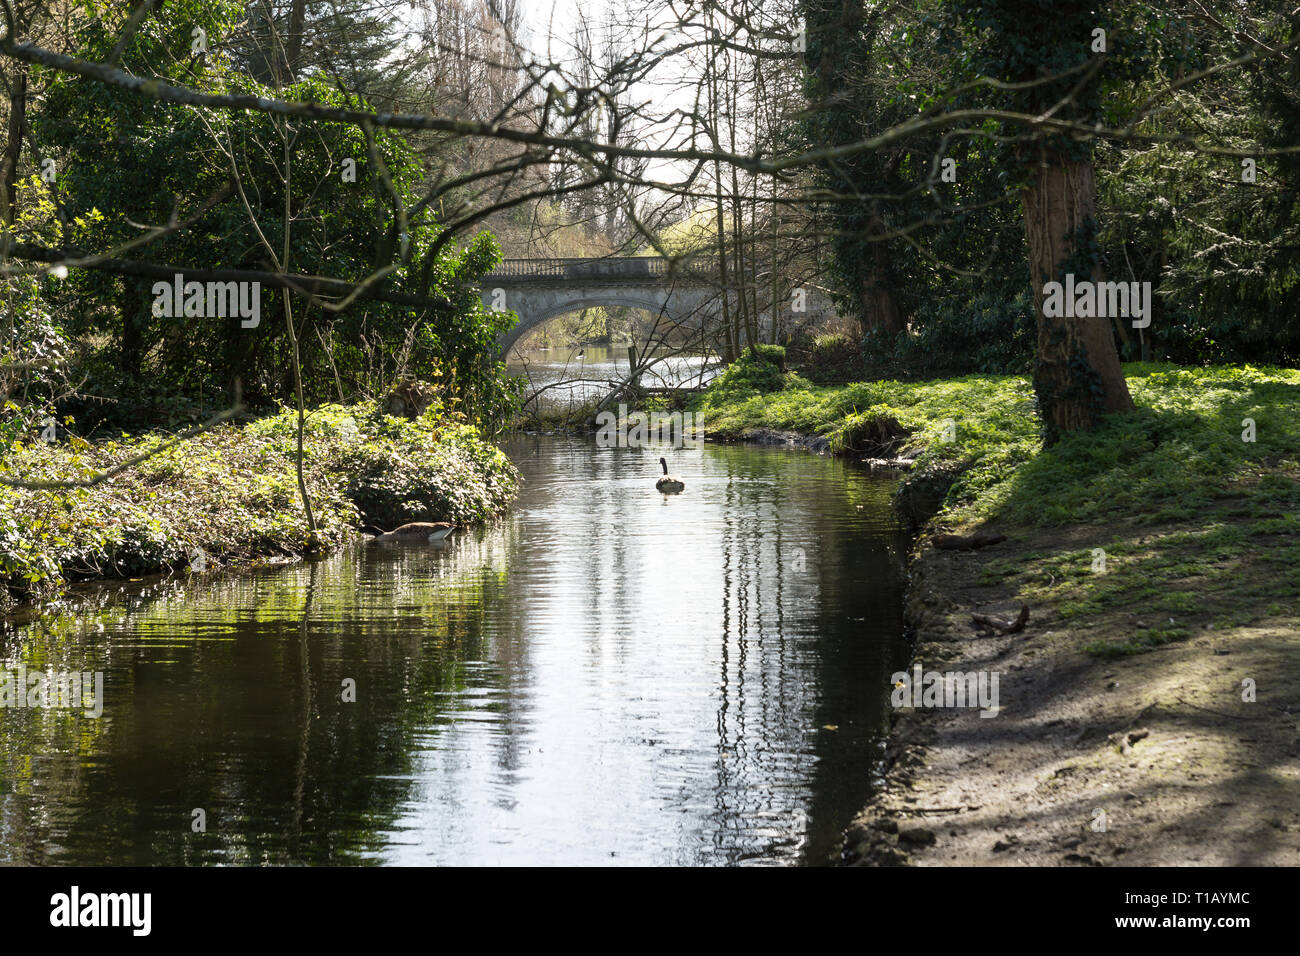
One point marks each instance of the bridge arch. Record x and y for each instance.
(536, 308)
(538, 290)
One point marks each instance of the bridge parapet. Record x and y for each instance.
(624, 269)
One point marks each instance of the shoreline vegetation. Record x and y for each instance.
(230, 495)
(1150, 709)
(1153, 687)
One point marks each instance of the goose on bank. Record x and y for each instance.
(668, 484)
(430, 531)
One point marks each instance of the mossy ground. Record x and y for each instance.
(231, 494)
(1199, 590)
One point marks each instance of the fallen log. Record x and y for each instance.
(1001, 625)
(965, 542)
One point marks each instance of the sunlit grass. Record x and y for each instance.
(1180, 451)
(1196, 524)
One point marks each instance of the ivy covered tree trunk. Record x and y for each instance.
(14, 145)
(879, 294)
(845, 107)
(1065, 58)
(1077, 373)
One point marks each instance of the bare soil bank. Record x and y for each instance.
(1137, 751)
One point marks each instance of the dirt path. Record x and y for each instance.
(1160, 742)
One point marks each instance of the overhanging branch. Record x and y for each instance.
(304, 285)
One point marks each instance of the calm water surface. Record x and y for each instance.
(568, 376)
(605, 676)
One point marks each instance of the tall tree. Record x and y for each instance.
(841, 36)
(1055, 51)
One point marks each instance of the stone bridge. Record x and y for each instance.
(685, 293)
(540, 289)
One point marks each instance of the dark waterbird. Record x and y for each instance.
(668, 484)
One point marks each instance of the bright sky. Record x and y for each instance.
(558, 19)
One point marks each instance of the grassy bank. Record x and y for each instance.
(231, 494)
(1186, 496)
(976, 438)
(1158, 557)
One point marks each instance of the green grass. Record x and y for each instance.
(1144, 640)
(1179, 452)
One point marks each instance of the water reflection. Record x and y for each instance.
(605, 676)
(568, 376)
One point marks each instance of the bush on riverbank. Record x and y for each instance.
(395, 470)
(231, 493)
(759, 370)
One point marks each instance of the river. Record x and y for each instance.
(560, 378)
(605, 676)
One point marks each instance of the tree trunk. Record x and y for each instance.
(879, 296)
(293, 42)
(237, 350)
(132, 361)
(1077, 373)
(14, 145)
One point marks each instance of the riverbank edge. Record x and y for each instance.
(365, 470)
(872, 837)
(1056, 781)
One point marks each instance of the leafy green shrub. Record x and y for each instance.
(397, 470)
(832, 358)
(458, 478)
(232, 493)
(758, 370)
(772, 354)
(830, 345)
(985, 334)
